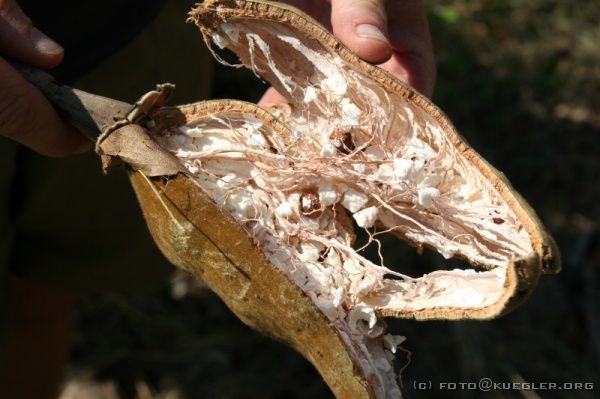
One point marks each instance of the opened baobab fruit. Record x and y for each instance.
(261, 203)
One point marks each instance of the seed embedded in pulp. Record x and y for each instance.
(310, 206)
(342, 140)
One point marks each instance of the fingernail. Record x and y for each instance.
(370, 32)
(43, 43)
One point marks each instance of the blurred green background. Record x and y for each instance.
(521, 81)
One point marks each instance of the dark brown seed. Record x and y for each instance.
(310, 205)
(498, 220)
(342, 140)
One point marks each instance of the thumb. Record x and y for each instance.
(362, 26)
(20, 40)
(27, 117)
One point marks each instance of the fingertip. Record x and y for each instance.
(69, 142)
(20, 40)
(370, 44)
(44, 61)
(361, 25)
(82, 147)
(49, 53)
(271, 97)
(75, 142)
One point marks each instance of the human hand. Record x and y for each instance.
(26, 116)
(394, 34)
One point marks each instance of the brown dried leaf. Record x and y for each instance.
(132, 145)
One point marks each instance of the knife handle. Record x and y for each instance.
(87, 112)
